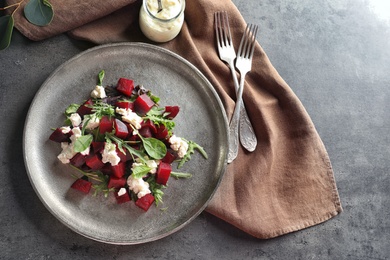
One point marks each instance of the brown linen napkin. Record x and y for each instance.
(287, 183)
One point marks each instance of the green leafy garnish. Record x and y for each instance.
(179, 175)
(6, 29)
(156, 189)
(71, 109)
(102, 109)
(154, 147)
(192, 146)
(140, 170)
(82, 143)
(122, 144)
(101, 77)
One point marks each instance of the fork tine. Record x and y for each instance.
(228, 36)
(248, 40)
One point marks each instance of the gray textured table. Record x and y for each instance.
(335, 55)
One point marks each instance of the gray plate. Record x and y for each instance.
(201, 119)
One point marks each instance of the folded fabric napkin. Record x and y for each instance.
(287, 183)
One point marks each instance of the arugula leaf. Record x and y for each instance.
(72, 108)
(140, 170)
(82, 143)
(103, 109)
(156, 189)
(121, 143)
(154, 147)
(39, 12)
(101, 77)
(192, 146)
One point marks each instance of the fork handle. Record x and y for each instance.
(246, 134)
(234, 124)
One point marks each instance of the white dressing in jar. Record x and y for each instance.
(165, 25)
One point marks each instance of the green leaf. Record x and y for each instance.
(179, 175)
(6, 28)
(192, 146)
(154, 148)
(101, 77)
(39, 12)
(82, 143)
(72, 108)
(140, 171)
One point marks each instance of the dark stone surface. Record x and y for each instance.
(335, 55)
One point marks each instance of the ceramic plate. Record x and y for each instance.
(201, 119)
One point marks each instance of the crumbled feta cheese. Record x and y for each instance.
(121, 192)
(65, 129)
(152, 164)
(130, 117)
(109, 154)
(98, 92)
(75, 119)
(68, 148)
(91, 121)
(138, 186)
(178, 145)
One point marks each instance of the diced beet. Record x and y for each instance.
(106, 124)
(122, 198)
(149, 124)
(97, 146)
(116, 183)
(125, 104)
(145, 132)
(125, 86)
(163, 173)
(59, 137)
(118, 170)
(106, 169)
(121, 155)
(120, 129)
(78, 160)
(172, 110)
(143, 104)
(94, 162)
(145, 202)
(162, 132)
(169, 157)
(82, 185)
(85, 108)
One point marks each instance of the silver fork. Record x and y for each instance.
(244, 65)
(227, 54)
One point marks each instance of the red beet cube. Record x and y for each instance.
(82, 185)
(116, 183)
(123, 156)
(145, 202)
(149, 124)
(143, 104)
(120, 129)
(59, 137)
(145, 132)
(162, 132)
(172, 110)
(169, 157)
(97, 146)
(85, 108)
(94, 162)
(122, 198)
(78, 160)
(118, 170)
(106, 124)
(125, 105)
(125, 86)
(163, 173)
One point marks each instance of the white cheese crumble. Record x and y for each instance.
(138, 186)
(75, 118)
(98, 92)
(130, 117)
(68, 148)
(65, 129)
(121, 192)
(91, 121)
(109, 154)
(178, 145)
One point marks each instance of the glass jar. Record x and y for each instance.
(165, 25)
